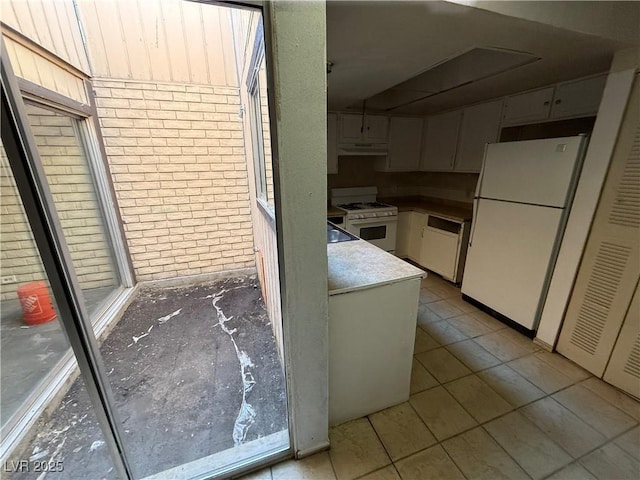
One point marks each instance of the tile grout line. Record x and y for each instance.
(541, 431)
(515, 409)
(333, 468)
(573, 383)
(595, 449)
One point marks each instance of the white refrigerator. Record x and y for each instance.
(524, 193)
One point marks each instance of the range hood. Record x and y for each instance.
(362, 149)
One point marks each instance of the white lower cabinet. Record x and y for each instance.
(369, 355)
(414, 242)
(439, 251)
(402, 234)
(436, 243)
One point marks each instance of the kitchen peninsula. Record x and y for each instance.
(373, 303)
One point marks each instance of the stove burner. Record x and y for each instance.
(376, 205)
(363, 205)
(351, 206)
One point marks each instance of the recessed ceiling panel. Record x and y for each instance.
(473, 65)
(394, 96)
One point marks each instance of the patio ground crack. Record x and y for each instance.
(246, 415)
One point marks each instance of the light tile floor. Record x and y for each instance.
(485, 403)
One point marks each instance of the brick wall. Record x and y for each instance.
(18, 253)
(73, 191)
(178, 165)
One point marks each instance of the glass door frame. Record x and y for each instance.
(35, 194)
(87, 136)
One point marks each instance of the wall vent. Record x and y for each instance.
(626, 207)
(632, 367)
(609, 266)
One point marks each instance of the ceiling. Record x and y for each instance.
(378, 45)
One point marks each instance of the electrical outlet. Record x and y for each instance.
(8, 279)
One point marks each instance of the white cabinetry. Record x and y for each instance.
(405, 135)
(370, 129)
(402, 238)
(439, 142)
(414, 244)
(350, 128)
(369, 355)
(433, 242)
(332, 143)
(455, 141)
(528, 107)
(480, 125)
(578, 98)
(376, 128)
(442, 246)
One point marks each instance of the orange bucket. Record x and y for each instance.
(36, 303)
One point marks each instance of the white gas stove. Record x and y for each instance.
(370, 220)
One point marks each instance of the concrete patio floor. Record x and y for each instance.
(193, 370)
(28, 354)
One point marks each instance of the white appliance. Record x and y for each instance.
(520, 211)
(375, 222)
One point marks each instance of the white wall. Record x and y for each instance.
(594, 170)
(298, 47)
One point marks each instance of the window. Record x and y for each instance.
(260, 131)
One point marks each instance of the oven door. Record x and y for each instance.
(381, 232)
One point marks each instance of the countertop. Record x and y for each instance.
(457, 211)
(357, 265)
(335, 211)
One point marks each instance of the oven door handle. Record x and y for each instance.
(366, 221)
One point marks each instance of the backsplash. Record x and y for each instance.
(359, 172)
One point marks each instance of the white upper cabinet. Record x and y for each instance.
(405, 137)
(351, 128)
(578, 98)
(439, 142)
(332, 143)
(373, 130)
(480, 125)
(376, 128)
(528, 107)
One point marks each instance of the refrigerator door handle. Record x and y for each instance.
(474, 216)
(477, 196)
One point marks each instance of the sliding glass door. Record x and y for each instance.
(53, 310)
(194, 391)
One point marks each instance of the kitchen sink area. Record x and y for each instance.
(336, 235)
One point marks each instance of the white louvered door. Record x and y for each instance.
(624, 367)
(610, 267)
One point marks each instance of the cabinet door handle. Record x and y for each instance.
(546, 103)
(559, 101)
